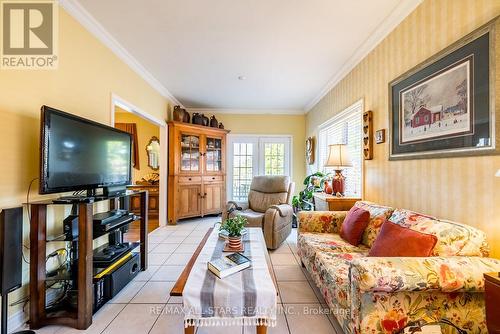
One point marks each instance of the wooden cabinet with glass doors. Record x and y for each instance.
(196, 170)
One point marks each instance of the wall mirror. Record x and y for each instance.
(153, 151)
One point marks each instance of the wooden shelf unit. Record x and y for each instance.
(196, 171)
(81, 316)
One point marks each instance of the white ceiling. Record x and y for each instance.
(288, 50)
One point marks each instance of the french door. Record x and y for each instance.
(249, 156)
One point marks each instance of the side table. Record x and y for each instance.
(325, 202)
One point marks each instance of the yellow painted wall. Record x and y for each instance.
(145, 130)
(87, 75)
(462, 189)
(267, 124)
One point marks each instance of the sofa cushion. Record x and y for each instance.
(395, 240)
(311, 243)
(354, 225)
(378, 214)
(454, 239)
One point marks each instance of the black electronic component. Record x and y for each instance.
(120, 277)
(11, 257)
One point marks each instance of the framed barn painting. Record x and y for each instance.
(446, 105)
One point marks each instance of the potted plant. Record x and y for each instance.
(234, 227)
(303, 202)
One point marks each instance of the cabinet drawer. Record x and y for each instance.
(189, 179)
(213, 178)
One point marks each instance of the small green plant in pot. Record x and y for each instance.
(234, 227)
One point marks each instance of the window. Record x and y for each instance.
(345, 128)
(249, 156)
(242, 169)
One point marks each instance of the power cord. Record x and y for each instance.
(28, 211)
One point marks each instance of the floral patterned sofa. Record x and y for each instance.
(387, 294)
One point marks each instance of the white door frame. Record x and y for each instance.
(117, 101)
(255, 139)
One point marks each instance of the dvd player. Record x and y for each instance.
(107, 221)
(107, 217)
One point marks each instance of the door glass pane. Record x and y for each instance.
(242, 170)
(213, 161)
(190, 153)
(274, 159)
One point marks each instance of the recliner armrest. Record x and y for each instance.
(283, 209)
(240, 206)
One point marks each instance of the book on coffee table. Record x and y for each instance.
(229, 264)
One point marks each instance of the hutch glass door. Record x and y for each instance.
(190, 153)
(213, 156)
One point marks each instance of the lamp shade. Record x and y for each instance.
(338, 156)
(497, 174)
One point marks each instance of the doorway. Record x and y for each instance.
(149, 154)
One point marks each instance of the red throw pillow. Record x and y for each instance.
(395, 240)
(354, 224)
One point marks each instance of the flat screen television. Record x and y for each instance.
(80, 154)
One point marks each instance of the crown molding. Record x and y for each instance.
(402, 10)
(77, 11)
(247, 111)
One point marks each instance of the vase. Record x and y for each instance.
(179, 114)
(197, 119)
(328, 188)
(213, 122)
(205, 120)
(234, 242)
(186, 118)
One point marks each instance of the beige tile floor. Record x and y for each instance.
(144, 305)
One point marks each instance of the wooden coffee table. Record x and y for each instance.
(178, 288)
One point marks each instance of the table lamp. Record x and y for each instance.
(338, 158)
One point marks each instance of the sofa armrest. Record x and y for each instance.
(321, 221)
(445, 274)
(283, 209)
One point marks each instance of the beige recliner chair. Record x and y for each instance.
(268, 207)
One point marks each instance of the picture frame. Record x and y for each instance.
(445, 106)
(380, 136)
(310, 150)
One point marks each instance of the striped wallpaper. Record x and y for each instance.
(459, 189)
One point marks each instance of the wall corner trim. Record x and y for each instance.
(400, 12)
(270, 111)
(78, 12)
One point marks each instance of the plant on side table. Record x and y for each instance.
(234, 227)
(303, 202)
